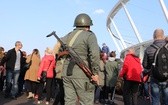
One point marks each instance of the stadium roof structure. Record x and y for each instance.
(121, 44)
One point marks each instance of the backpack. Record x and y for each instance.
(160, 64)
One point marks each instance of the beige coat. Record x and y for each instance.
(31, 73)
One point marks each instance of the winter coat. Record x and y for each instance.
(47, 64)
(105, 49)
(111, 68)
(10, 59)
(132, 68)
(101, 73)
(149, 55)
(31, 73)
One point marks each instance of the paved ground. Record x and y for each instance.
(23, 101)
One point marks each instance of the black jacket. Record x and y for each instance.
(149, 54)
(10, 59)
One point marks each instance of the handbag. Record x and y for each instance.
(27, 65)
(44, 74)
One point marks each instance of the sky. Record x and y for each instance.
(29, 21)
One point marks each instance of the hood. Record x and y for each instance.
(111, 58)
(135, 57)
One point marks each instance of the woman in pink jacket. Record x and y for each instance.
(47, 64)
(131, 73)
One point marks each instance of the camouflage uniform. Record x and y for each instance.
(77, 85)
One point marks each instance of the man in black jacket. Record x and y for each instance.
(14, 63)
(148, 60)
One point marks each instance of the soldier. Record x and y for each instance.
(76, 84)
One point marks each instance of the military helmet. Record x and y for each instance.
(83, 20)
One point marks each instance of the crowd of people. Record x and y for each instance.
(66, 81)
(151, 76)
(16, 80)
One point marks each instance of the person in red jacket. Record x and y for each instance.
(131, 73)
(47, 64)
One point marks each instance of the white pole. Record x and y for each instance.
(164, 9)
(132, 23)
(119, 34)
(118, 48)
(141, 53)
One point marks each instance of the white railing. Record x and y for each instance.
(120, 43)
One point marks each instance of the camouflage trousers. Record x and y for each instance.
(78, 90)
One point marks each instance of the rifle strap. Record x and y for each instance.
(72, 63)
(74, 38)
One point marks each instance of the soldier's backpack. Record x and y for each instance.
(160, 64)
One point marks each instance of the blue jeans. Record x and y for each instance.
(159, 92)
(146, 89)
(12, 82)
(97, 94)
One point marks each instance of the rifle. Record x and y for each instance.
(71, 52)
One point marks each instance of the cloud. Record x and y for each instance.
(99, 11)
